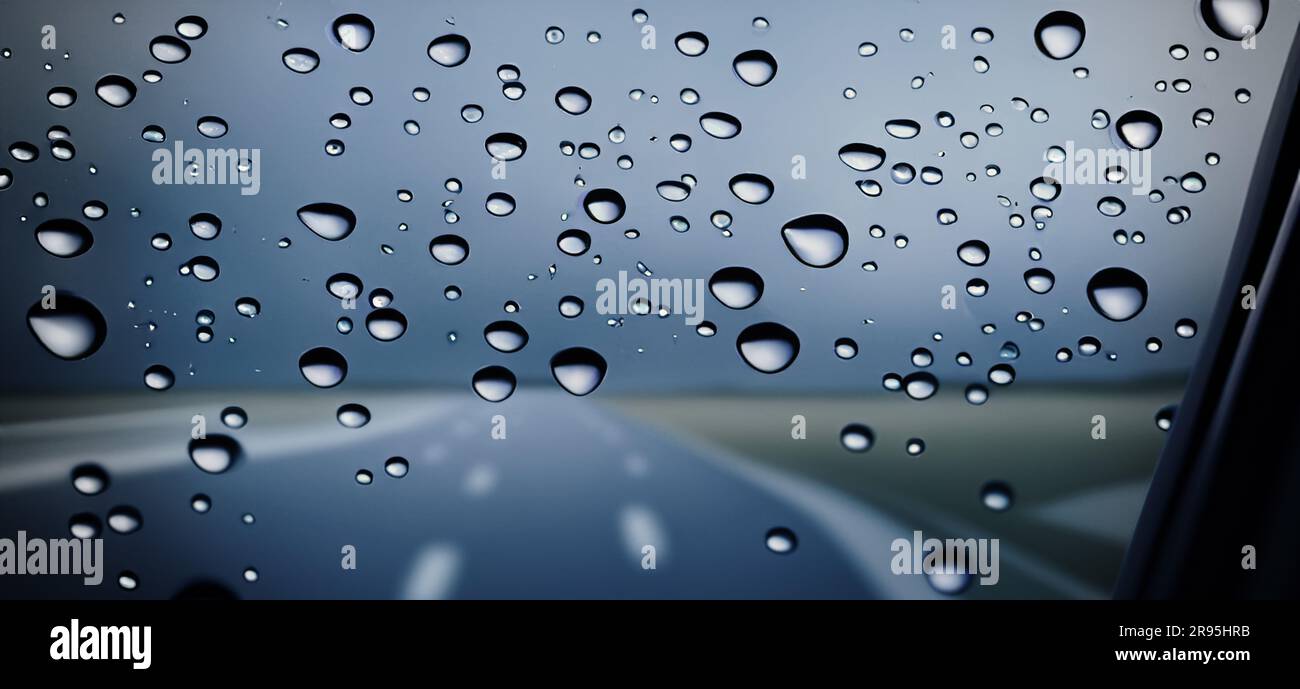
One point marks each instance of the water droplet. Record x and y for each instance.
(386, 324)
(169, 50)
(300, 60)
(817, 240)
(124, 519)
(64, 238)
(500, 204)
(115, 90)
(902, 129)
(973, 253)
(506, 146)
(234, 417)
(450, 50)
(61, 96)
(736, 287)
(857, 437)
(89, 479)
(571, 306)
(1138, 129)
(328, 220)
(781, 541)
(751, 188)
(997, 496)
(720, 125)
(159, 377)
(755, 67)
(73, 330)
(1039, 280)
(671, 190)
(84, 525)
(573, 100)
(1234, 19)
(920, 385)
(353, 415)
(1060, 34)
(1117, 293)
(354, 32)
(191, 27)
(768, 347)
(692, 43)
(397, 467)
(449, 249)
(578, 370)
(862, 157)
(323, 367)
(604, 206)
(494, 383)
(505, 336)
(212, 127)
(1165, 417)
(215, 454)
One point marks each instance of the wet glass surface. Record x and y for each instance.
(946, 239)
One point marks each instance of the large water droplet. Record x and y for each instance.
(578, 370)
(300, 60)
(1039, 280)
(1138, 129)
(215, 454)
(506, 146)
(352, 415)
(354, 32)
(768, 347)
(73, 330)
(672, 190)
(323, 367)
(115, 90)
(449, 50)
(903, 129)
(1117, 293)
(751, 188)
(64, 238)
(1234, 19)
(605, 206)
(573, 242)
(159, 377)
(494, 383)
(736, 287)
(755, 67)
(328, 220)
(168, 49)
(818, 240)
(500, 204)
(920, 385)
(862, 157)
(505, 336)
(973, 253)
(573, 100)
(449, 249)
(719, 125)
(1059, 35)
(692, 43)
(386, 324)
